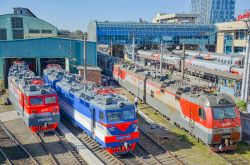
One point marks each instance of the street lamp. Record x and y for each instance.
(85, 56)
(245, 82)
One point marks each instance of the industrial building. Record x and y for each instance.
(122, 33)
(231, 37)
(23, 24)
(41, 51)
(175, 18)
(213, 11)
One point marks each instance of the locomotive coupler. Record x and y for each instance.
(126, 145)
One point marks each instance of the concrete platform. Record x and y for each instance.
(83, 151)
(10, 115)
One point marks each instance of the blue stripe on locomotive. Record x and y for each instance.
(85, 107)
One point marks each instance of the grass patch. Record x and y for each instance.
(243, 149)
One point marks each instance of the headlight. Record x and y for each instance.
(134, 125)
(55, 110)
(112, 129)
(33, 111)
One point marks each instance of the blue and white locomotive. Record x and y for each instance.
(104, 115)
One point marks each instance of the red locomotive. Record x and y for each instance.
(212, 118)
(36, 102)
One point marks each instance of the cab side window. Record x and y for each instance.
(202, 114)
(101, 115)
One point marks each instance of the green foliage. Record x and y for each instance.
(169, 73)
(242, 105)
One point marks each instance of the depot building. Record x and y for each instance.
(25, 37)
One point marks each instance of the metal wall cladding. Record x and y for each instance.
(48, 48)
(29, 23)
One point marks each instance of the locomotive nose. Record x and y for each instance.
(123, 126)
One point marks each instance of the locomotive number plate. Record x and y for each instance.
(44, 110)
(123, 137)
(45, 119)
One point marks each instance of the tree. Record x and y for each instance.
(242, 105)
(78, 33)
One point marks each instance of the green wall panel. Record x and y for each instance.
(48, 48)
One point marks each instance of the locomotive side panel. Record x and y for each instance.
(134, 84)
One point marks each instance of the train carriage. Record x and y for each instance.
(104, 115)
(34, 101)
(212, 118)
(224, 62)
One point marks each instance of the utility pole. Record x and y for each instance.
(245, 81)
(133, 50)
(85, 58)
(161, 55)
(111, 47)
(183, 61)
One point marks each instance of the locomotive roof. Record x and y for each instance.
(89, 91)
(195, 93)
(24, 78)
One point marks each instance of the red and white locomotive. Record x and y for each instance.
(212, 118)
(35, 102)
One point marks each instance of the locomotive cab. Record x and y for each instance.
(119, 126)
(36, 102)
(225, 122)
(45, 104)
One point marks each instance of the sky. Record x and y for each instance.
(76, 14)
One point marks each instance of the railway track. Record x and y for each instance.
(4, 159)
(155, 152)
(234, 158)
(59, 151)
(12, 150)
(101, 153)
(131, 158)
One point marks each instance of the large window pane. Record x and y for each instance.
(34, 31)
(47, 31)
(17, 22)
(18, 34)
(3, 34)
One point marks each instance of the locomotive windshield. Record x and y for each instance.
(36, 101)
(50, 100)
(42, 100)
(120, 115)
(224, 113)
